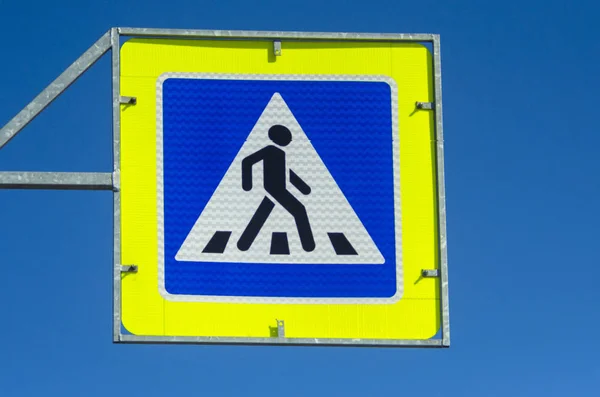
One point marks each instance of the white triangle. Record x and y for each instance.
(231, 208)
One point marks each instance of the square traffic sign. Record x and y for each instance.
(300, 188)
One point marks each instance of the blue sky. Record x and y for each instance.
(520, 92)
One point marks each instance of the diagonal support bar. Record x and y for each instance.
(57, 87)
(57, 180)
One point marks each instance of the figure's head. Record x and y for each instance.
(280, 135)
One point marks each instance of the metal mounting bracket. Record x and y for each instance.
(280, 329)
(128, 100)
(430, 273)
(277, 48)
(129, 268)
(425, 105)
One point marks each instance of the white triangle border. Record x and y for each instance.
(368, 252)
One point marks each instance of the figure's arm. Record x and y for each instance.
(299, 183)
(247, 164)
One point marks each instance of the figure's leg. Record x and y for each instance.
(298, 211)
(256, 223)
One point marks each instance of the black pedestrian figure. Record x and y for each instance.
(274, 170)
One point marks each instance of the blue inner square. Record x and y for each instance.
(205, 123)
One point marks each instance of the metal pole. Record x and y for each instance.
(56, 180)
(116, 112)
(443, 253)
(268, 35)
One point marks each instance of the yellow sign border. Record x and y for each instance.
(145, 312)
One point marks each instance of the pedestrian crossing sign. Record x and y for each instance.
(299, 188)
(265, 200)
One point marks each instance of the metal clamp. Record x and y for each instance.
(129, 268)
(277, 48)
(280, 329)
(430, 273)
(116, 179)
(425, 105)
(128, 100)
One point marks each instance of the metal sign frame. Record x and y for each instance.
(111, 41)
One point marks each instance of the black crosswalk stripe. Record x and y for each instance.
(217, 243)
(341, 245)
(279, 244)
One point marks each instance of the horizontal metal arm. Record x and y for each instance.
(57, 180)
(62, 82)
